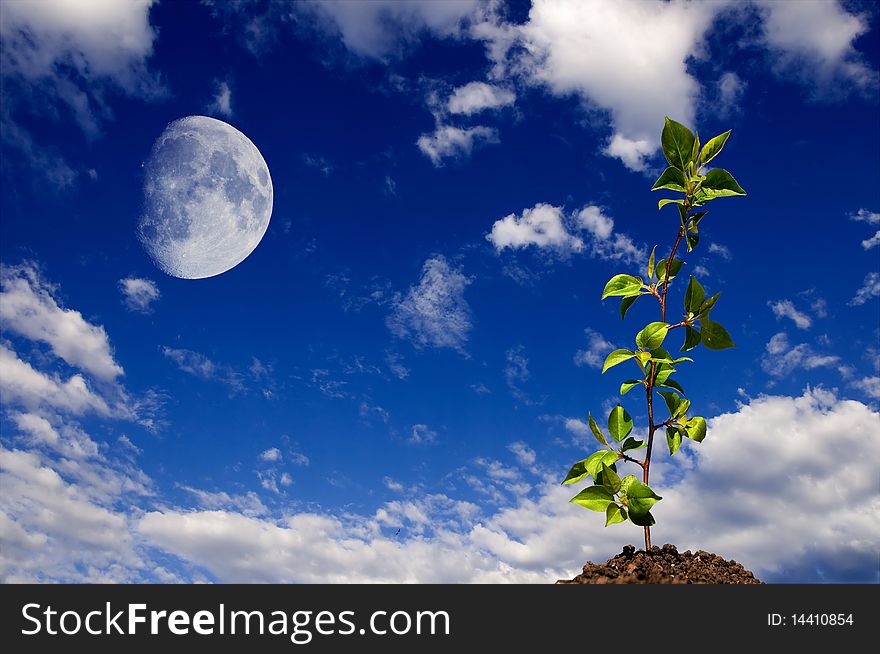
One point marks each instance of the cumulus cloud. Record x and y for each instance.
(138, 294)
(67, 57)
(626, 57)
(479, 96)
(816, 56)
(786, 309)
(870, 289)
(434, 312)
(782, 358)
(449, 142)
(29, 307)
(826, 514)
(863, 215)
(597, 349)
(542, 226)
(548, 227)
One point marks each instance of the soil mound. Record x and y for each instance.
(664, 565)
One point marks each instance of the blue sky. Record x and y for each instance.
(393, 384)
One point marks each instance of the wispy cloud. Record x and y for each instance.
(597, 349)
(870, 289)
(434, 312)
(786, 309)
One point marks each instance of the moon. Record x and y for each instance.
(207, 198)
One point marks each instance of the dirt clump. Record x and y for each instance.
(664, 565)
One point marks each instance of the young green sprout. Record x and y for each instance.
(629, 498)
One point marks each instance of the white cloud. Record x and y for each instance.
(743, 510)
(604, 243)
(816, 55)
(870, 289)
(248, 504)
(525, 455)
(448, 142)
(870, 386)
(422, 435)
(198, 365)
(597, 349)
(626, 57)
(782, 358)
(721, 250)
(272, 454)
(874, 241)
(731, 89)
(222, 101)
(23, 384)
(786, 309)
(28, 307)
(139, 294)
(542, 225)
(434, 312)
(379, 28)
(478, 96)
(547, 227)
(863, 215)
(701, 271)
(60, 55)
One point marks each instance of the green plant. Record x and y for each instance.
(629, 498)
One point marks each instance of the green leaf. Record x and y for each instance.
(626, 482)
(692, 241)
(694, 296)
(675, 362)
(633, 444)
(691, 339)
(614, 514)
(714, 336)
(708, 304)
(673, 440)
(596, 431)
(640, 498)
(643, 520)
(578, 471)
(713, 147)
(696, 148)
(628, 385)
(672, 401)
(682, 408)
(622, 285)
(594, 498)
(678, 144)
(672, 179)
(695, 429)
(620, 423)
(594, 462)
(616, 357)
(671, 383)
(626, 303)
(652, 336)
(694, 222)
(610, 480)
(719, 183)
(651, 264)
(666, 201)
(673, 269)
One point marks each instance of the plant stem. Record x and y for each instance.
(646, 465)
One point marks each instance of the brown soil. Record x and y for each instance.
(664, 565)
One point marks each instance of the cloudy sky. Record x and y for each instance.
(392, 386)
